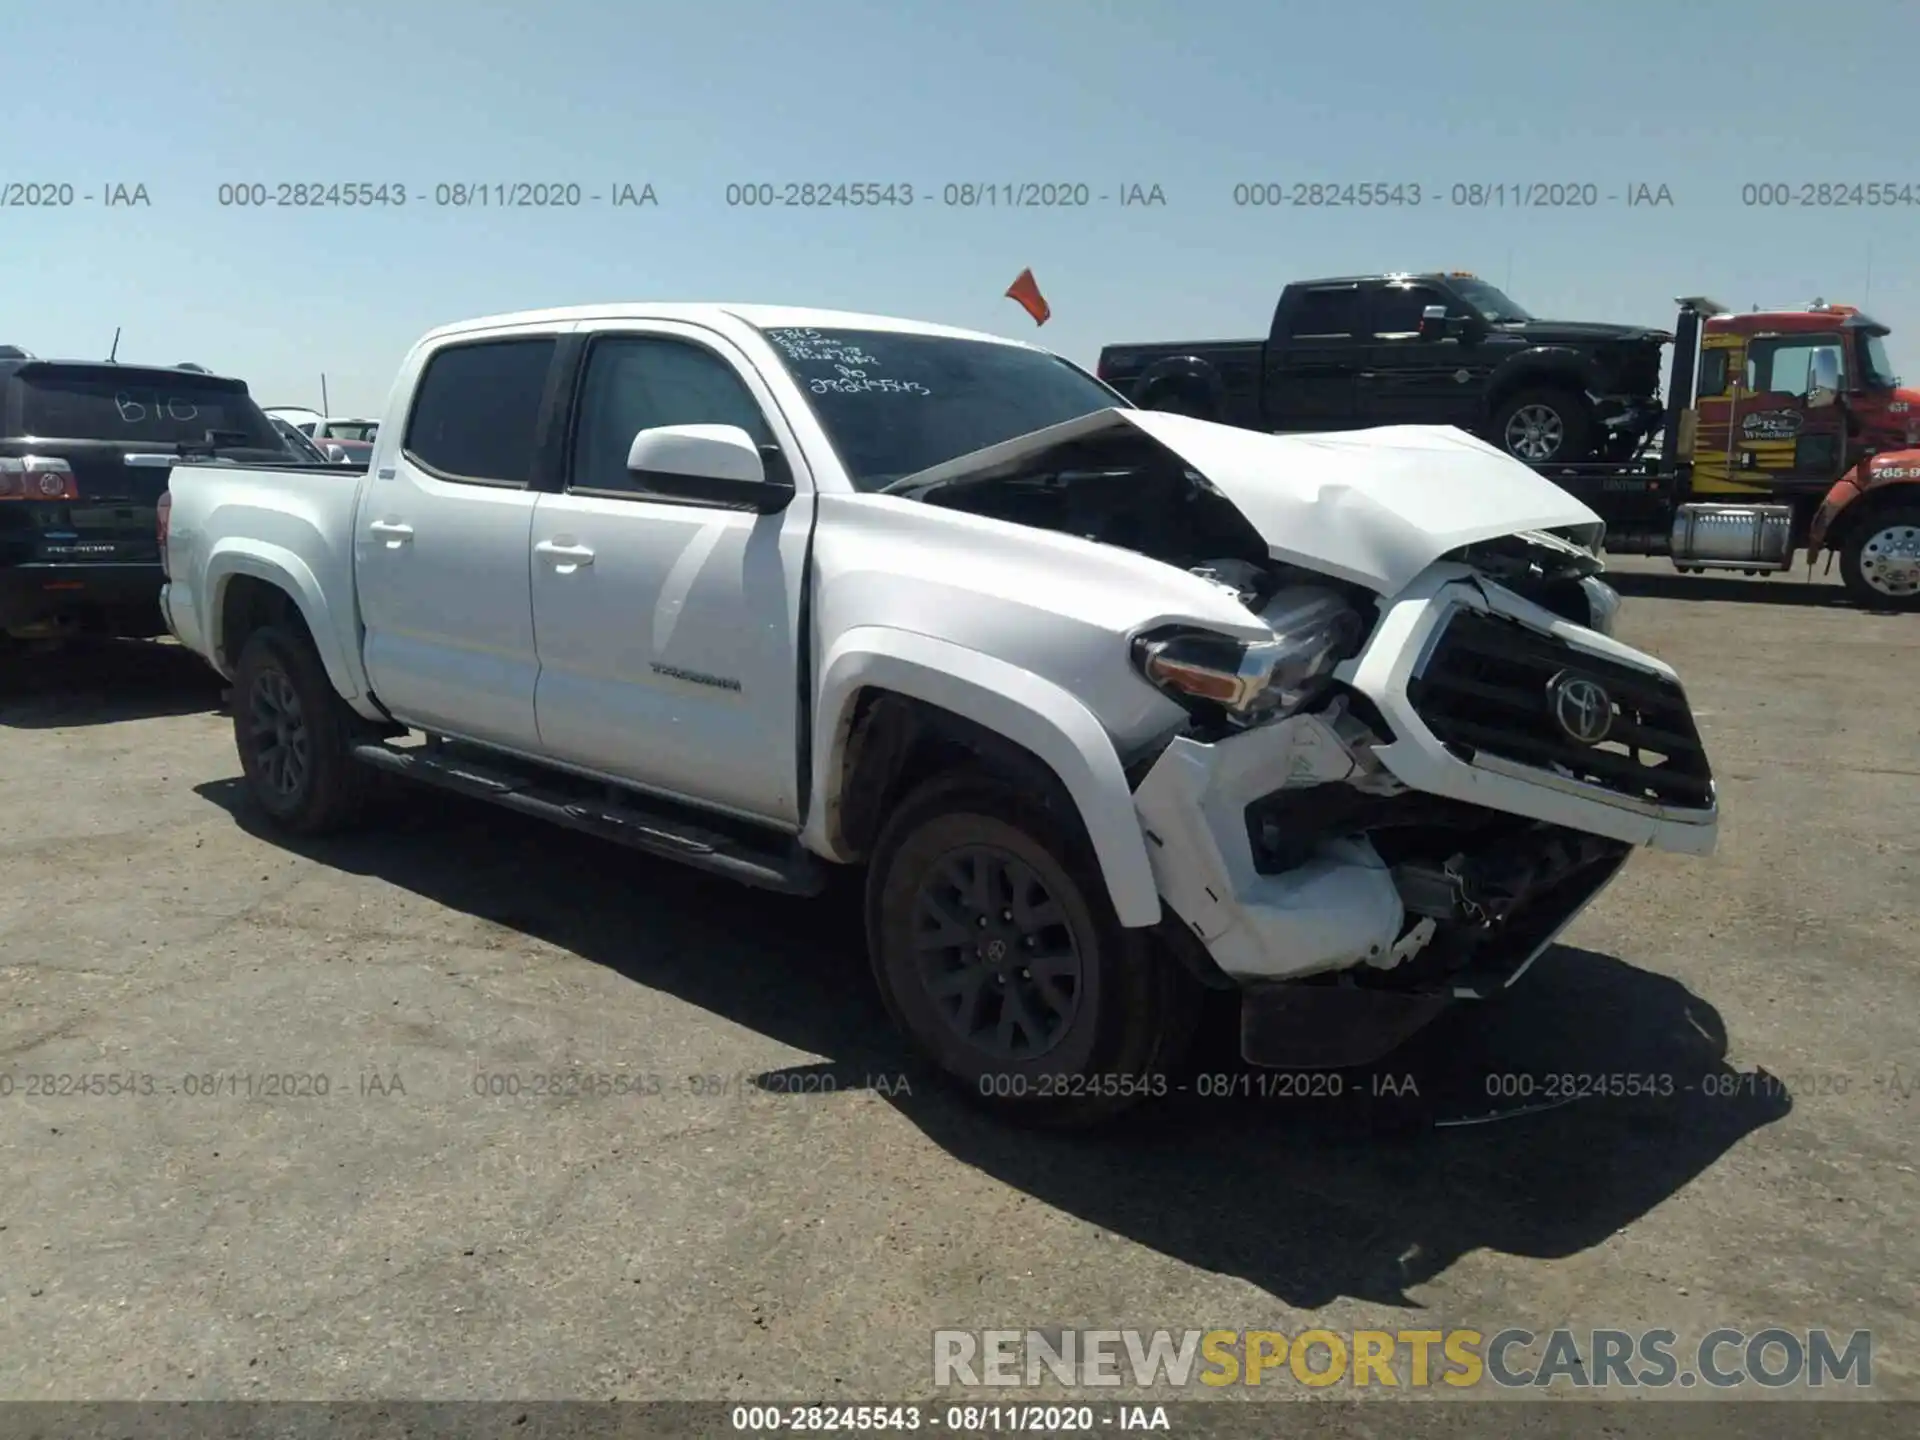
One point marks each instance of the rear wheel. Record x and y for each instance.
(998, 953)
(1881, 562)
(293, 733)
(1544, 425)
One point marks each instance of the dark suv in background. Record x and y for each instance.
(85, 447)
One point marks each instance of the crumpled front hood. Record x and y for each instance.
(1372, 506)
(1375, 507)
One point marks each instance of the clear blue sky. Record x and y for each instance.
(1192, 95)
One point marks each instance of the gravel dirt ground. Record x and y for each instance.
(343, 1172)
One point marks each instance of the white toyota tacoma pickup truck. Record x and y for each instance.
(1114, 706)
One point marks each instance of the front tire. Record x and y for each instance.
(1880, 562)
(997, 952)
(293, 733)
(1544, 426)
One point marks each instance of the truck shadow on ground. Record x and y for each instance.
(1787, 588)
(1310, 1198)
(104, 682)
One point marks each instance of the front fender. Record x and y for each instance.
(1843, 493)
(1543, 365)
(1016, 704)
(286, 571)
(1893, 469)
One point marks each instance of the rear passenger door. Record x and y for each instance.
(442, 535)
(1313, 361)
(670, 629)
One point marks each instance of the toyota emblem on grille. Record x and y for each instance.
(1581, 707)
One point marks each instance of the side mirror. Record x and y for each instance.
(1823, 384)
(715, 464)
(1433, 323)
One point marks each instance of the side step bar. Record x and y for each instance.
(788, 869)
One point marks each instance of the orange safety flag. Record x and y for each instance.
(1027, 293)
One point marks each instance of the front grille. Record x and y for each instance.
(1494, 687)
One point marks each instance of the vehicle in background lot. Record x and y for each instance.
(1785, 430)
(85, 447)
(303, 448)
(347, 452)
(298, 416)
(1435, 349)
(1113, 706)
(361, 432)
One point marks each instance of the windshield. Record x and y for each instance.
(145, 407)
(895, 403)
(1490, 301)
(350, 430)
(1877, 368)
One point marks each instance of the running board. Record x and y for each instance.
(788, 869)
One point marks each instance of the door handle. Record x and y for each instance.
(393, 532)
(564, 554)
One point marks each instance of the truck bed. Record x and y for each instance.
(292, 508)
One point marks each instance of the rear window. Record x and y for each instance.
(152, 407)
(476, 413)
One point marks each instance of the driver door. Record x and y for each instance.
(1777, 439)
(669, 630)
(1411, 379)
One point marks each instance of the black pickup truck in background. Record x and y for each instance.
(85, 449)
(1433, 349)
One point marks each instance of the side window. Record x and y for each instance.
(1784, 366)
(634, 383)
(1322, 313)
(1715, 370)
(476, 411)
(1396, 308)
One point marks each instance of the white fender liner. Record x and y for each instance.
(287, 572)
(1340, 908)
(1016, 704)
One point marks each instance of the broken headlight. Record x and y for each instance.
(1603, 604)
(1252, 681)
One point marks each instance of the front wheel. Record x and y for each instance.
(999, 955)
(293, 733)
(1881, 562)
(1544, 426)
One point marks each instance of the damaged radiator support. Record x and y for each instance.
(1483, 889)
(1487, 911)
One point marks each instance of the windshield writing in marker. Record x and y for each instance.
(831, 366)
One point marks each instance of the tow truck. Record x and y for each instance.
(1783, 431)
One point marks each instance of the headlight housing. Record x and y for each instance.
(1603, 603)
(1254, 681)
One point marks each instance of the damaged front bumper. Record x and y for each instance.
(1636, 417)
(1352, 883)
